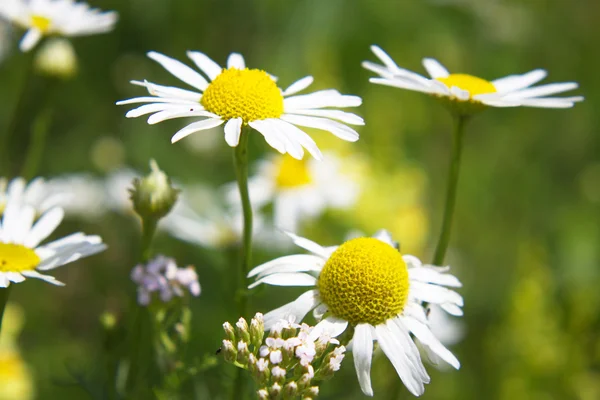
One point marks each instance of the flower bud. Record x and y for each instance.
(278, 374)
(275, 391)
(313, 392)
(229, 332)
(290, 391)
(241, 330)
(153, 196)
(262, 394)
(242, 352)
(56, 58)
(228, 350)
(262, 371)
(257, 330)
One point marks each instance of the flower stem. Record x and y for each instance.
(240, 161)
(4, 292)
(453, 173)
(35, 151)
(148, 230)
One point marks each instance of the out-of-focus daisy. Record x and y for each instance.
(38, 193)
(366, 284)
(55, 17)
(469, 91)
(56, 58)
(161, 275)
(22, 256)
(237, 96)
(300, 189)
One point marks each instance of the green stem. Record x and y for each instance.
(453, 173)
(148, 230)
(4, 292)
(240, 161)
(19, 112)
(35, 150)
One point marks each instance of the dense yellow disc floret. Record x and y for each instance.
(250, 94)
(41, 23)
(471, 83)
(17, 258)
(364, 281)
(292, 173)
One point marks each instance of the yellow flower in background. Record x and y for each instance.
(237, 96)
(16, 381)
(473, 92)
(55, 17)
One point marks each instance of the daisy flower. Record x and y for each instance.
(22, 256)
(300, 189)
(368, 286)
(55, 17)
(40, 194)
(237, 96)
(471, 93)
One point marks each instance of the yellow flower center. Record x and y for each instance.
(292, 173)
(364, 281)
(41, 23)
(17, 258)
(249, 94)
(471, 83)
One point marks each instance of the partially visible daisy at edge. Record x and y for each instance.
(368, 286)
(510, 91)
(21, 232)
(237, 96)
(55, 17)
(39, 193)
(300, 189)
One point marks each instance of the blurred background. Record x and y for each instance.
(527, 227)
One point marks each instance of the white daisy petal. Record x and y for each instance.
(147, 99)
(266, 128)
(330, 326)
(429, 275)
(300, 137)
(516, 82)
(296, 263)
(206, 64)
(308, 245)
(544, 90)
(236, 60)
(30, 39)
(295, 310)
(4, 281)
(14, 277)
(44, 227)
(321, 99)
(179, 112)
(195, 127)
(362, 351)
(180, 70)
(434, 294)
(233, 130)
(397, 356)
(286, 279)
(402, 84)
(425, 336)
(452, 309)
(435, 69)
(340, 130)
(169, 91)
(343, 116)
(385, 58)
(46, 278)
(157, 107)
(298, 86)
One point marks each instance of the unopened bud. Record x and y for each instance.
(263, 373)
(278, 374)
(229, 332)
(229, 351)
(262, 394)
(241, 330)
(257, 330)
(306, 377)
(290, 391)
(153, 196)
(242, 352)
(313, 392)
(56, 58)
(275, 391)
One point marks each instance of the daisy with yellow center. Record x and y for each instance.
(237, 96)
(368, 285)
(510, 91)
(22, 256)
(300, 189)
(55, 17)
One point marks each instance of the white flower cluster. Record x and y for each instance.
(162, 275)
(289, 363)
